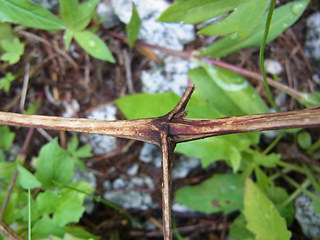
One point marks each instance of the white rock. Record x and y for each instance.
(307, 218)
(273, 67)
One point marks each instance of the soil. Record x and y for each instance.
(75, 75)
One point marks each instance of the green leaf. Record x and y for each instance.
(68, 11)
(93, 45)
(304, 139)
(73, 144)
(54, 164)
(262, 217)
(238, 230)
(6, 170)
(70, 206)
(5, 32)
(220, 193)
(278, 196)
(26, 179)
(250, 13)
(84, 14)
(228, 92)
(29, 14)
(45, 227)
(5, 82)
(6, 137)
(133, 27)
(142, 105)
(67, 38)
(47, 202)
(13, 50)
(34, 106)
(190, 11)
(283, 18)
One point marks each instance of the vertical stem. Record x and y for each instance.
(167, 150)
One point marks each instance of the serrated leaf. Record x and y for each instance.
(73, 144)
(262, 217)
(93, 45)
(45, 227)
(47, 202)
(54, 164)
(13, 50)
(29, 14)
(283, 18)
(238, 230)
(133, 27)
(5, 82)
(6, 137)
(70, 206)
(26, 179)
(278, 196)
(220, 193)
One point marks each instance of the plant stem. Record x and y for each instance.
(274, 143)
(261, 55)
(304, 185)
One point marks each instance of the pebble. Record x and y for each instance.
(273, 66)
(307, 218)
(312, 44)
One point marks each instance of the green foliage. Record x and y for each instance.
(220, 193)
(304, 139)
(6, 137)
(5, 82)
(54, 164)
(93, 45)
(133, 27)
(55, 207)
(13, 50)
(29, 14)
(26, 178)
(75, 18)
(262, 217)
(78, 153)
(248, 32)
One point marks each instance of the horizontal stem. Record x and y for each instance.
(179, 129)
(140, 129)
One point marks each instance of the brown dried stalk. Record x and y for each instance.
(167, 130)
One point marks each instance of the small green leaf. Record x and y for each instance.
(54, 164)
(68, 11)
(45, 227)
(304, 139)
(238, 230)
(73, 144)
(33, 107)
(70, 207)
(6, 137)
(29, 14)
(133, 27)
(67, 38)
(5, 82)
(47, 202)
(262, 217)
(26, 179)
(13, 50)
(93, 45)
(220, 193)
(84, 152)
(5, 32)
(143, 105)
(84, 14)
